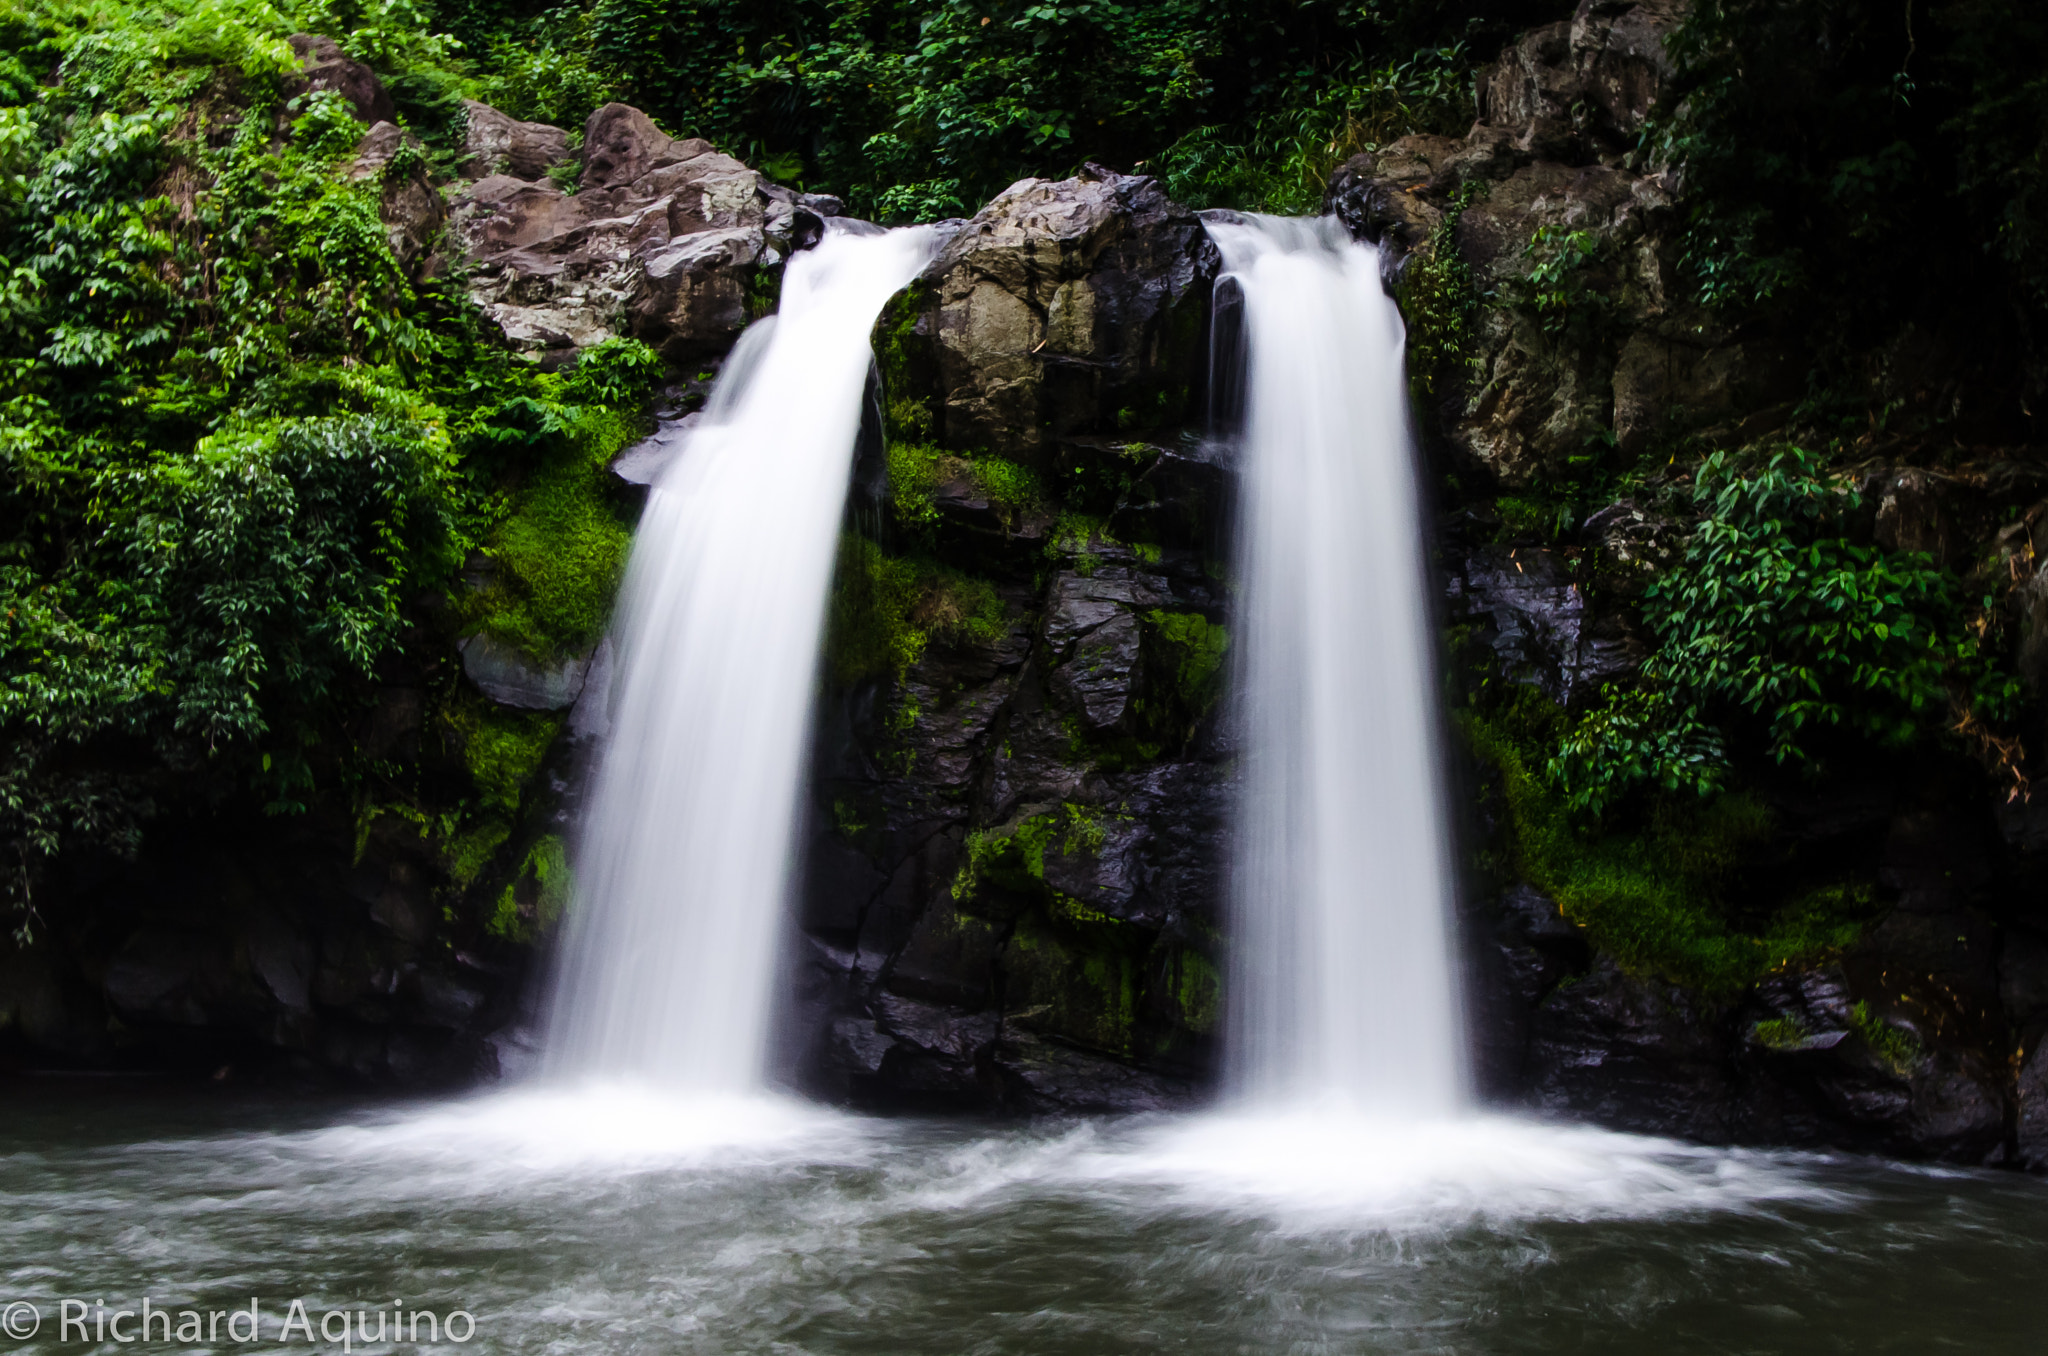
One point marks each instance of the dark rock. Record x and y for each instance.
(2031, 1093)
(1045, 1076)
(324, 65)
(1100, 680)
(173, 977)
(1538, 623)
(1635, 1054)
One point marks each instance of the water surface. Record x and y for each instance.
(620, 1222)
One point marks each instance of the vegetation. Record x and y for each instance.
(1688, 890)
(921, 111)
(1775, 617)
(241, 438)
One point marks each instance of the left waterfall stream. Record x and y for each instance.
(667, 966)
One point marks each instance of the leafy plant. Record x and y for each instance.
(1775, 615)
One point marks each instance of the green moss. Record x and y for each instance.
(535, 900)
(1074, 536)
(899, 358)
(1197, 992)
(1898, 1049)
(472, 849)
(1013, 857)
(561, 549)
(1081, 984)
(1780, 1033)
(1661, 897)
(1193, 648)
(503, 749)
(886, 609)
(917, 470)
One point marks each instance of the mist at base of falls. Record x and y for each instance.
(600, 1220)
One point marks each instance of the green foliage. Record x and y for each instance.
(1637, 738)
(545, 69)
(1438, 301)
(240, 442)
(1558, 290)
(1775, 617)
(1282, 162)
(1684, 894)
(1811, 133)
(916, 112)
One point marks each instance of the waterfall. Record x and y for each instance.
(668, 962)
(1343, 989)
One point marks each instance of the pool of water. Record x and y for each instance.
(609, 1220)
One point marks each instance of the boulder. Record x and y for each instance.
(1583, 88)
(408, 204)
(510, 678)
(1061, 307)
(497, 143)
(323, 65)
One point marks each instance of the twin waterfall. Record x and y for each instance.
(1342, 984)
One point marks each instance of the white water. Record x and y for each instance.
(1343, 992)
(668, 962)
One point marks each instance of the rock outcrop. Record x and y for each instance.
(1060, 308)
(663, 239)
(1608, 343)
(408, 203)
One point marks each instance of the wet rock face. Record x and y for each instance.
(1012, 902)
(1060, 308)
(1538, 626)
(663, 239)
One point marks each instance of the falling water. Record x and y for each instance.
(669, 959)
(1343, 988)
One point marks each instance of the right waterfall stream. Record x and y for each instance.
(1343, 986)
